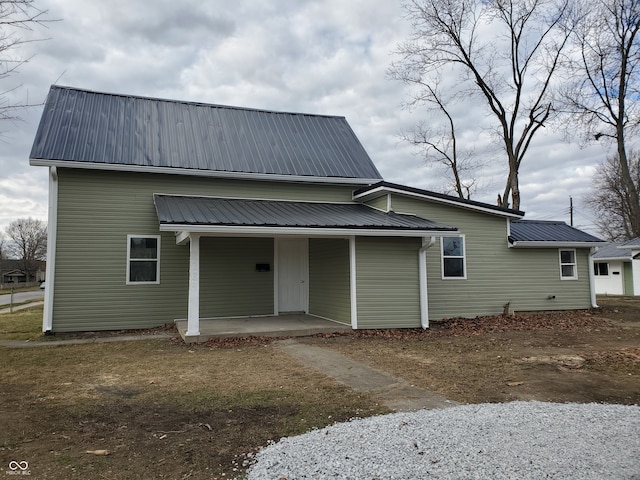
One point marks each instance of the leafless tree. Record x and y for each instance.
(16, 17)
(437, 142)
(609, 201)
(505, 52)
(602, 96)
(28, 243)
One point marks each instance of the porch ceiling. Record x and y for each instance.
(201, 213)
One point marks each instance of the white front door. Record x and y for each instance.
(293, 274)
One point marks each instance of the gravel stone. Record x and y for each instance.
(518, 440)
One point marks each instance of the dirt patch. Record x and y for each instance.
(578, 356)
(162, 409)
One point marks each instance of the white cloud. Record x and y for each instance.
(317, 56)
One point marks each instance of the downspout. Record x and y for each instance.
(52, 228)
(592, 283)
(422, 271)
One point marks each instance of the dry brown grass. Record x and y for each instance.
(167, 410)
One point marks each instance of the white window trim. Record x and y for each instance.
(464, 257)
(157, 281)
(575, 263)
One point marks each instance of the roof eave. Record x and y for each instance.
(300, 231)
(553, 244)
(611, 259)
(383, 190)
(39, 162)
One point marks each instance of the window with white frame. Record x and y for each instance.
(568, 266)
(453, 258)
(601, 269)
(143, 259)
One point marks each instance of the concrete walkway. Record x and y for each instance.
(21, 307)
(394, 393)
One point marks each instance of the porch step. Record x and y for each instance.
(274, 326)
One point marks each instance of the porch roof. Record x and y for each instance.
(193, 213)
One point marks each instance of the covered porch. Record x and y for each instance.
(305, 265)
(271, 326)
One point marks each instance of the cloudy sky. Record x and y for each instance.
(314, 56)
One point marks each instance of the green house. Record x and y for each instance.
(162, 210)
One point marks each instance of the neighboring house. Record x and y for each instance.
(14, 276)
(11, 272)
(617, 268)
(189, 210)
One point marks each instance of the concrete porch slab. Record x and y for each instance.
(274, 326)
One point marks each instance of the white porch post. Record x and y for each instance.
(592, 278)
(422, 269)
(352, 269)
(193, 315)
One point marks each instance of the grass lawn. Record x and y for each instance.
(163, 409)
(22, 325)
(7, 291)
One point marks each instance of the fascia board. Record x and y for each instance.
(38, 162)
(379, 191)
(307, 232)
(612, 259)
(540, 244)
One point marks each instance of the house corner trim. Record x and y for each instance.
(52, 228)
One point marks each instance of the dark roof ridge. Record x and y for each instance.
(194, 103)
(533, 220)
(442, 196)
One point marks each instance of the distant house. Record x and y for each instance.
(190, 210)
(617, 268)
(11, 272)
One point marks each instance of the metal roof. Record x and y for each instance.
(548, 231)
(634, 242)
(94, 129)
(612, 251)
(381, 187)
(208, 211)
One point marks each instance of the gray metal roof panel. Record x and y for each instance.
(188, 210)
(612, 251)
(548, 231)
(84, 126)
(634, 242)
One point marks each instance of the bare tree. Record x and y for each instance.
(437, 142)
(604, 97)
(505, 52)
(28, 243)
(609, 201)
(16, 17)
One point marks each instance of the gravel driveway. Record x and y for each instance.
(519, 440)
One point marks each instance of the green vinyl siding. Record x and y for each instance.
(230, 286)
(496, 274)
(97, 209)
(380, 203)
(329, 279)
(388, 288)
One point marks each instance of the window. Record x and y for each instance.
(568, 270)
(143, 259)
(453, 259)
(601, 269)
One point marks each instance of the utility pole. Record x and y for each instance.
(571, 209)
